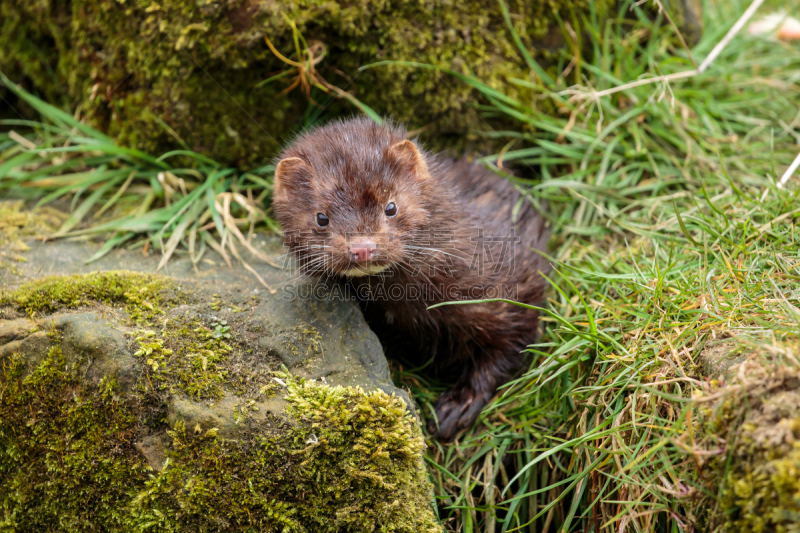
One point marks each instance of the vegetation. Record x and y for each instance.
(670, 236)
(171, 74)
(756, 425)
(149, 195)
(672, 240)
(342, 459)
(17, 224)
(142, 294)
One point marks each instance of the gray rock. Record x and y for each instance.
(15, 330)
(182, 387)
(87, 339)
(323, 339)
(230, 416)
(99, 346)
(152, 449)
(35, 346)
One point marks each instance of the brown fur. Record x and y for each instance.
(350, 171)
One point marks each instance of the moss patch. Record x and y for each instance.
(66, 454)
(141, 294)
(196, 365)
(348, 461)
(754, 428)
(178, 353)
(17, 222)
(341, 460)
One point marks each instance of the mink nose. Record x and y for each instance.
(362, 251)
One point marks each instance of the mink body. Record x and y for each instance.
(409, 230)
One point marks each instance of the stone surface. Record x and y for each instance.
(322, 338)
(137, 383)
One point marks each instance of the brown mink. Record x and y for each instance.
(406, 230)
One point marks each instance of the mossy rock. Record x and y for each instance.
(164, 74)
(138, 402)
(749, 426)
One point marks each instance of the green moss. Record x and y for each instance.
(18, 222)
(197, 364)
(753, 433)
(66, 455)
(348, 461)
(351, 462)
(141, 294)
(133, 66)
(305, 338)
(761, 490)
(179, 354)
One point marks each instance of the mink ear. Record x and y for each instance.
(407, 155)
(290, 174)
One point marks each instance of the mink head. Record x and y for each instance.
(351, 197)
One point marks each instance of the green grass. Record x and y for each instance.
(669, 237)
(119, 193)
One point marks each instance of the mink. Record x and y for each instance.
(406, 230)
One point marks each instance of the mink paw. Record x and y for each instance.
(456, 410)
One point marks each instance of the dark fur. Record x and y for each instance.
(349, 171)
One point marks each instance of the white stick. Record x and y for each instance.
(730, 35)
(19, 139)
(789, 171)
(686, 74)
(647, 81)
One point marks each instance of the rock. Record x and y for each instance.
(144, 388)
(15, 330)
(747, 430)
(35, 345)
(229, 415)
(153, 447)
(90, 338)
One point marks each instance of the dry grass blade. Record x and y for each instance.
(307, 76)
(19, 139)
(250, 269)
(789, 171)
(178, 234)
(231, 222)
(217, 247)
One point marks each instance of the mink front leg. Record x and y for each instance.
(458, 407)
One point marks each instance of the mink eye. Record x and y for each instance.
(391, 209)
(322, 220)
